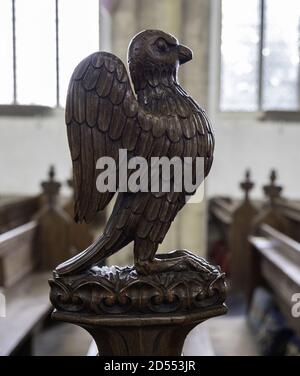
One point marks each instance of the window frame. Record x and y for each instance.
(216, 57)
(18, 109)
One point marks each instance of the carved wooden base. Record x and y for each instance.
(148, 335)
(131, 314)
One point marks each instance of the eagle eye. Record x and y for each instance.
(162, 45)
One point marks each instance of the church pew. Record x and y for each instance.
(16, 253)
(25, 252)
(276, 265)
(222, 209)
(55, 240)
(240, 227)
(219, 221)
(291, 210)
(27, 307)
(25, 290)
(48, 237)
(21, 254)
(16, 211)
(231, 221)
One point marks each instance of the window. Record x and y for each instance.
(41, 42)
(6, 53)
(260, 48)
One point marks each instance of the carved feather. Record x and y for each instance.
(103, 115)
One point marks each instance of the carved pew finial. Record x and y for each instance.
(247, 185)
(240, 227)
(51, 173)
(53, 238)
(271, 190)
(51, 187)
(270, 213)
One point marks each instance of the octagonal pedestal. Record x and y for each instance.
(129, 314)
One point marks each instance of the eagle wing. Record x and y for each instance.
(101, 112)
(103, 116)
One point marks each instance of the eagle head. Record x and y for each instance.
(155, 56)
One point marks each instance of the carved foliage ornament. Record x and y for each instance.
(118, 290)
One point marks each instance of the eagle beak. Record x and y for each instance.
(184, 54)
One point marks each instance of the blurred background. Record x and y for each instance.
(246, 74)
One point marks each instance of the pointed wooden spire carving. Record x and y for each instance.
(53, 241)
(51, 187)
(271, 190)
(247, 185)
(240, 257)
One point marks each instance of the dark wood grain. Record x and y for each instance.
(151, 335)
(53, 233)
(240, 227)
(276, 265)
(271, 213)
(16, 211)
(149, 308)
(103, 114)
(130, 314)
(16, 253)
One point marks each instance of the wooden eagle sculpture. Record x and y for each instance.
(158, 118)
